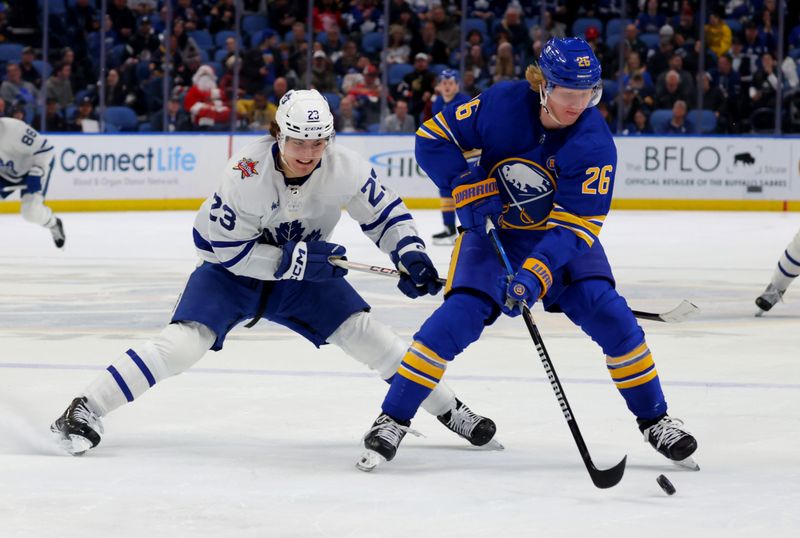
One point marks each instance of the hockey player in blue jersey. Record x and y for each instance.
(448, 95)
(262, 239)
(545, 178)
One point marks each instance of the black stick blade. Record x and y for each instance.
(607, 478)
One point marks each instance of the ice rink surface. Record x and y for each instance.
(261, 438)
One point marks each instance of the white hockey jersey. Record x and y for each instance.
(23, 151)
(254, 212)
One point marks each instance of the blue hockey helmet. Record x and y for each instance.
(571, 63)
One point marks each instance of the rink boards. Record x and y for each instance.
(125, 172)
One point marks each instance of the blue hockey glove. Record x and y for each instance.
(309, 261)
(476, 196)
(418, 276)
(526, 286)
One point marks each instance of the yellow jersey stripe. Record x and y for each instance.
(453, 262)
(425, 134)
(432, 127)
(580, 233)
(566, 216)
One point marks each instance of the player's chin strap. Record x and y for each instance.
(543, 99)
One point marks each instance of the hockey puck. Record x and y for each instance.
(665, 484)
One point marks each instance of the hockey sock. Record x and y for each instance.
(175, 349)
(457, 323)
(448, 207)
(603, 314)
(788, 266)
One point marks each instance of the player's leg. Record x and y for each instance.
(595, 306)
(376, 345)
(448, 207)
(213, 301)
(787, 270)
(33, 209)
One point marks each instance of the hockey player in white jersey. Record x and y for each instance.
(787, 270)
(26, 161)
(262, 238)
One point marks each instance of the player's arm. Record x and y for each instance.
(580, 206)
(385, 219)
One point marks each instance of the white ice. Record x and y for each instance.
(261, 438)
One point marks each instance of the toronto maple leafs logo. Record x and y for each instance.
(247, 167)
(290, 231)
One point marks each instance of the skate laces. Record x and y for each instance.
(463, 420)
(665, 432)
(772, 294)
(83, 415)
(391, 431)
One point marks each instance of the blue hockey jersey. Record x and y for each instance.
(555, 184)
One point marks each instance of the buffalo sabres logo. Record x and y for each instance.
(247, 167)
(527, 189)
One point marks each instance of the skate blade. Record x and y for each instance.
(688, 463)
(444, 242)
(369, 460)
(493, 445)
(760, 313)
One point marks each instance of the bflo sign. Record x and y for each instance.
(707, 168)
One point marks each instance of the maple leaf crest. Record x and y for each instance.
(290, 231)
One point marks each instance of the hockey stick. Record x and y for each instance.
(678, 314)
(602, 478)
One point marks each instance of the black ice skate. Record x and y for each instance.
(446, 236)
(666, 436)
(382, 440)
(57, 230)
(78, 429)
(768, 299)
(478, 430)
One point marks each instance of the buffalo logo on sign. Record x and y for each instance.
(745, 158)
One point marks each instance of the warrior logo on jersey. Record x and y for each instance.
(247, 167)
(527, 189)
(290, 231)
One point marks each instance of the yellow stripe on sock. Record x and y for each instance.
(638, 381)
(639, 366)
(422, 365)
(418, 379)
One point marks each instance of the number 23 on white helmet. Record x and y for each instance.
(303, 115)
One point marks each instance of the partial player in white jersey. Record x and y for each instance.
(263, 242)
(26, 161)
(787, 270)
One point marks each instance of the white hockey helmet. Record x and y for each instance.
(304, 115)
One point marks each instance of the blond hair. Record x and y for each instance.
(535, 77)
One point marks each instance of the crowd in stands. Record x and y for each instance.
(656, 77)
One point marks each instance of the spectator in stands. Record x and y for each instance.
(659, 61)
(145, 42)
(80, 20)
(428, 43)
(333, 43)
(686, 88)
(192, 15)
(633, 67)
(670, 92)
(184, 47)
(85, 119)
(447, 31)
(260, 66)
(367, 96)
(284, 13)
(29, 71)
(687, 31)
(726, 78)
(279, 89)
(691, 58)
(650, 20)
(256, 114)
(398, 51)
(631, 43)
(679, 124)
(592, 37)
(715, 101)
(346, 118)
(754, 44)
(505, 65)
(547, 29)
(205, 102)
(178, 120)
(81, 72)
(769, 21)
(400, 121)
(718, 34)
(297, 48)
(763, 88)
(477, 64)
(17, 112)
(348, 59)
(58, 86)
(639, 125)
(644, 93)
(223, 16)
(122, 18)
(512, 26)
(326, 14)
(627, 106)
(53, 120)
(744, 65)
(323, 78)
(117, 93)
(14, 90)
(417, 87)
